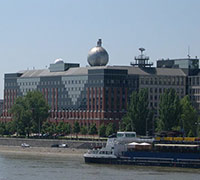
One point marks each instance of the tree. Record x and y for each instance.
(21, 116)
(76, 129)
(29, 112)
(38, 108)
(169, 111)
(126, 124)
(150, 123)
(10, 128)
(189, 118)
(84, 130)
(137, 116)
(68, 129)
(2, 128)
(102, 130)
(93, 129)
(45, 127)
(60, 128)
(110, 129)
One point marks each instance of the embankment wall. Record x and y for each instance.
(49, 142)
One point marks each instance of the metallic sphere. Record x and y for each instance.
(58, 61)
(98, 56)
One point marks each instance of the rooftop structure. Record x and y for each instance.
(141, 61)
(189, 65)
(98, 56)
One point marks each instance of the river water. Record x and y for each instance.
(32, 167)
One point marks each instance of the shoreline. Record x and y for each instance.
(44, 151)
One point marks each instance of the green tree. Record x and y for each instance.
(189, 117)
(29, 112)
(126, 124)
(10, 128)
(67, 129)
(49, 128)
(84, 130)
(52, 128)
(137, 116)
(150, 123)
(2, 128)
(60, 128)
(76, 129)
(45, 127)
(169, 111)
(110, 129)
(93, 129)
(102, 130)
(38, 108)
(21, 120)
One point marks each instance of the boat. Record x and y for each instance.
(126, 148)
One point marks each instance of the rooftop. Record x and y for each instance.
(84, 71)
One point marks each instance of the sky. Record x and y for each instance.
(34, 33)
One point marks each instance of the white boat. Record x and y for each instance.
(113, 149)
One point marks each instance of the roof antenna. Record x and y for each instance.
(99, 42)
(188, 52)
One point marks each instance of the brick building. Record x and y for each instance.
(99, 93)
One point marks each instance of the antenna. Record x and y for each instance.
(188, 52)
(141, 60)
(99, 42)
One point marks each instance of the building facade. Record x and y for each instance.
(1, 107)
(98, 94)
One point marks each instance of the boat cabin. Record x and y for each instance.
(126, 134)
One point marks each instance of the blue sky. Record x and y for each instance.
(33, 33)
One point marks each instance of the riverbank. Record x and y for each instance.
(47, 143)
(44, 151)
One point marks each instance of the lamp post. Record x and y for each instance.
(55, 127)
(39, 126)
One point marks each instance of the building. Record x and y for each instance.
(1, 107)
(99, 93)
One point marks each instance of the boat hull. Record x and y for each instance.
(146, 161)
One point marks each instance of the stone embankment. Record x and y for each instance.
(49, 142)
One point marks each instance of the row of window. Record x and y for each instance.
(162, 90)
(194, 91)
(163, 81)
(194, 81)
(8, 84)
(54, 89)
(195, 98)
(97, 81)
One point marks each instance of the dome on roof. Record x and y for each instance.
(98, 56)
(58, 61)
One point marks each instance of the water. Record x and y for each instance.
(32, 167)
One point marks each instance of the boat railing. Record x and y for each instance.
(188, 160)
(153, 158)
(93, 151)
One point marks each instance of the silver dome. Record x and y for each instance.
(98, 56)
(58, 61)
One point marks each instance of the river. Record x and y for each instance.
(32, 167)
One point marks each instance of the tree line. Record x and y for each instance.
(173, 114)
(30, 114)
(52, 129)
(31, 111)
